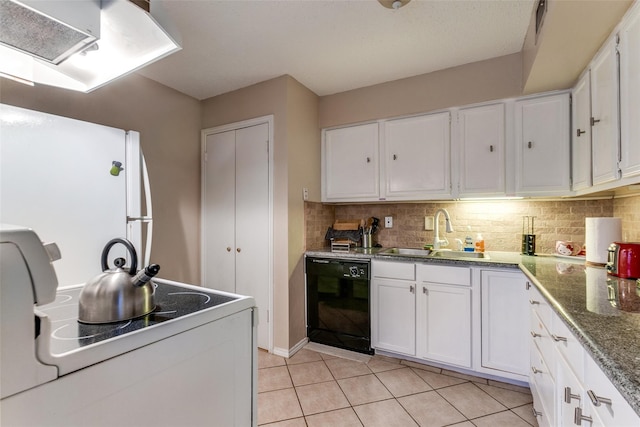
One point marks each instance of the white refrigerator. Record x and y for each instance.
(75, 183)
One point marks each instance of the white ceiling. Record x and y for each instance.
(329, 46)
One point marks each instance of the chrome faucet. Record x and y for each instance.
(437, 241)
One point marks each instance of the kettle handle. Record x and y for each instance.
(127, 244)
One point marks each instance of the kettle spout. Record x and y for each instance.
(143, 276)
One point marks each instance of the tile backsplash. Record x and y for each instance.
(500, 222)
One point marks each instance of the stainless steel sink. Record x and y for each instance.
(406, 252)
(426, 253)
(458, 254)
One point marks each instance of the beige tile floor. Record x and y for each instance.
(314, 389)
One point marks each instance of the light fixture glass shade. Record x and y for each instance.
(393, 4)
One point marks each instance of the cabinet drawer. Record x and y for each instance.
(540, 306)
(444, 274)
(394, 270)
(542, 340)
(568, 345)
(544, 384)
(616, 413)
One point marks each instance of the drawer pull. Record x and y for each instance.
(411, 288)
(533, 302)
(527, 285)
(535, 335)
(578, 417)
(597, 400)
(535, 413)
(558, 339)
(535, 370)
(568, 395)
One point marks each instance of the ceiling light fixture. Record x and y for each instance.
(393, 4)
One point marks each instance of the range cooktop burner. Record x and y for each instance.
(172, 302)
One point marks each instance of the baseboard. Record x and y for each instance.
(283, 352)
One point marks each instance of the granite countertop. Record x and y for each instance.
(579, 294)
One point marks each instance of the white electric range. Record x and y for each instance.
(192, 361)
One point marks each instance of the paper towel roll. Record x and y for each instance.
(599, 234)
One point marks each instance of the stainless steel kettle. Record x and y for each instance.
(118, 294)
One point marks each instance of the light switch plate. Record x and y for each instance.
(428, 223)
(388, 221)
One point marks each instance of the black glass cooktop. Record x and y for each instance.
(172, 302)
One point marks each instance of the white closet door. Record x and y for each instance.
(219, 212)
(252, 221)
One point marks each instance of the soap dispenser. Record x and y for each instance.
(468, 241)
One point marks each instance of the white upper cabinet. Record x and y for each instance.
(350, 167)
(417, 157)
(581, 134)
(604, 114)
(542, 146)
(629, 48)
(482, 151)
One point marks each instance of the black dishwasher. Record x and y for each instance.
(338, 303)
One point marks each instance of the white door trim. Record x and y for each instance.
(225, 128)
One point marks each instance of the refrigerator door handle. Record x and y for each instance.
(149, 217)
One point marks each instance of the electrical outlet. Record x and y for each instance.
(305, 194)
(428, 223)
(388, 221)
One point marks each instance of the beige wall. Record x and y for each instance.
(303, 137)
(571, 34)
(467, 84)
(169, 124)
(499, 222)
(296, 137)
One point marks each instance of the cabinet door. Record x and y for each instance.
(394, 316)
(350, 163)
(219, 212)
(444, 324)
(630, 94)
(581, 135)
(569, 395)
(417, 157)
(542, 146)
(505, 321)
(604, 113)
(482, 151)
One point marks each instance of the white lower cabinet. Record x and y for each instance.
(422, 311)
(444, 323)
(568, 387)
(393, 307)
(504, 321)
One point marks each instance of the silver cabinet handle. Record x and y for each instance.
(580, 132)
(578, 417)
(558, 339)
(535, 413)
(533, 302)
(535, 335)
(535, 370)
(228, 249)
(597, 400)
(238, 250)
(568, 395)
(594, 121)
